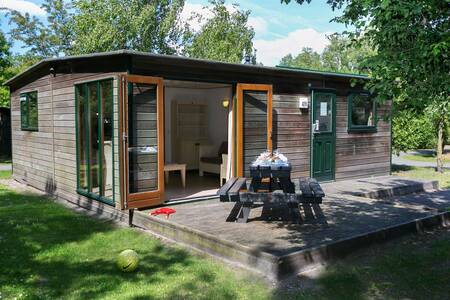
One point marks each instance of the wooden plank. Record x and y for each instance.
(223, 191)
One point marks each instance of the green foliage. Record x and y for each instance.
(412, 60)
(106, 25)
(5, 73)
(49, 39)
(224, 37)
(307, 58)
(411, 130)
(339, 56)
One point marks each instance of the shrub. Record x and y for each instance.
(412, 131)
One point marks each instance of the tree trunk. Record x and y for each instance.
(439, 162)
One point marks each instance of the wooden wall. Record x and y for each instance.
(290, 130)
(46, 159)
(358, 155)
(362, 154)
(32, 152)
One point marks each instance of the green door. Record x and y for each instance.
(323, 134)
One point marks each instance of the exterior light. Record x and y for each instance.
(225, 103)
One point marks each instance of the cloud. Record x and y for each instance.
(259, 24)
(22, 6)
(270, 52)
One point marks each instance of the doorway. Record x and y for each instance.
(323, 135)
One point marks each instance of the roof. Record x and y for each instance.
(45, 65)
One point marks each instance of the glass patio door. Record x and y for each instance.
(142, 141)
(254, 124)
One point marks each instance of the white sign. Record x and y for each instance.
(323, 109)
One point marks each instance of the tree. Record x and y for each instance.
(44, 40)
(106, 25)
(224, 37)
(338, 56)
(412, 60)
(5, 74)
(307, 59)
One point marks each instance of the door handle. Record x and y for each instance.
(125, 137)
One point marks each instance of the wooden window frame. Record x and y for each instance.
(25, 124)
(361, 128)
(100, 105)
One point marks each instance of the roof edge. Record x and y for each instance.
(45, 61)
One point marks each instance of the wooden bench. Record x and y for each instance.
(235, 190)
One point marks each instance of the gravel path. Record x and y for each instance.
(5, 167)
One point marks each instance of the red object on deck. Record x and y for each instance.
(163, 211)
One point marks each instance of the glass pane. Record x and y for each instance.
(81, 137)
(23, 111)
(106, 90)
(323, 118)
(142, 138)
(255, 127)
(32, 110)
(362, 110)
(94, 138)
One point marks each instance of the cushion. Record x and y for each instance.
(212, 160)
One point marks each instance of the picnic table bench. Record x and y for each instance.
(278, 190)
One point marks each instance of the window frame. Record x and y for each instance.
(351, 128)
(25, 124)
(100, 105)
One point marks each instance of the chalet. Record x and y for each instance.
(133, 129)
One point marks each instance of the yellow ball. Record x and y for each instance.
(128, 260)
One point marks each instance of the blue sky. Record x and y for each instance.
(280, 28)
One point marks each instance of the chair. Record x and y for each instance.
(211, 161)
(223, 169)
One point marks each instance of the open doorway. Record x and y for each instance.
(196, 129)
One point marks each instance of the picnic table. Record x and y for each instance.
(269, 186)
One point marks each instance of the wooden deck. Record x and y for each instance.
(341, 224)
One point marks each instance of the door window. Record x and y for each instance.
(143, 138)
(323, 113)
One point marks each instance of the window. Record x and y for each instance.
(94, 134)
(361, 113)
(29, 111)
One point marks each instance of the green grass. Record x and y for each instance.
(50, 252)
(5, 174)
(423, 158)
(423, 173)
(409, 270)
(5, 160)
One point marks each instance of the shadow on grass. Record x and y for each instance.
(47, 251)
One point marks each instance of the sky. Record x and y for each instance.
(280, 29)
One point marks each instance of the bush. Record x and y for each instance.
(412, 131)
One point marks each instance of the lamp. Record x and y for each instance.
(225, 103)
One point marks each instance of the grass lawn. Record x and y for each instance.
(5, 174)
(423, 173)
(414, 267)
(425, 157)
(49, 252)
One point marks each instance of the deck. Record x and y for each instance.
(342, 224)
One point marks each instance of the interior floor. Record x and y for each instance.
(196, 186)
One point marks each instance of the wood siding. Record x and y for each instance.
(361, 155)
(46, 159)
(290, 130)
